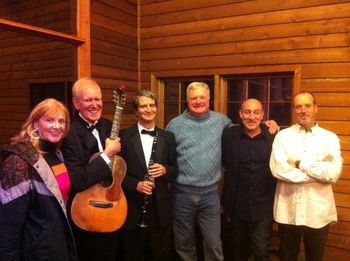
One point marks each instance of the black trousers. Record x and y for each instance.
(92, 246)
(151, 243)
(314, 242)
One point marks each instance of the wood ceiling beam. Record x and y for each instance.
(40, 32)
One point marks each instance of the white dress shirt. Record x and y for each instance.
(97, 137)
(147, 142)
(304, 195)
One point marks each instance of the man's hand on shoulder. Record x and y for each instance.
(273, 126)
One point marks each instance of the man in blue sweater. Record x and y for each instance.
(195, 194)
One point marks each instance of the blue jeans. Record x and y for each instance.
(253, 236)
(201, 204)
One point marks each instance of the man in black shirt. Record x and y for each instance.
(249, 186)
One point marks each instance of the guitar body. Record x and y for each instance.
(100, 208)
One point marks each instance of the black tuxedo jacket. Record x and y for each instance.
(132, 153)
(78, 147)
(230, 153)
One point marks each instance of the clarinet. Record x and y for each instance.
(146, 198)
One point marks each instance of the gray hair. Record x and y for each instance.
(197, 85)
(145, 93)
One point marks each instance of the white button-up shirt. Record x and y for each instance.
(304, 195)
(147, 143)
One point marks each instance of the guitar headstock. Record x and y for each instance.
(119, 96)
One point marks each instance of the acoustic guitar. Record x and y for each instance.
(103, 207)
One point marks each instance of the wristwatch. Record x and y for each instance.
(297, 163)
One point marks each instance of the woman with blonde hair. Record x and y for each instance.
(34, 185)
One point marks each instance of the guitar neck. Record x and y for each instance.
(115, 129)
(116, 123)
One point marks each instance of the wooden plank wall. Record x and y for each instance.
(25, 60)
(114, 51)
(179, 38)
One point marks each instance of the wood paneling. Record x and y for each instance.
(27, 59)
(114, 44)
(178, 11)
(343, 215)
(187, 38)
(53, 14)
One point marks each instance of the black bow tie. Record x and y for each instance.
(95, 126)
(152, 133)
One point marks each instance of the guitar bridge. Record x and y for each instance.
(100, 204)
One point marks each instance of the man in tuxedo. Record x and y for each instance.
(87, 136)
(142, 143)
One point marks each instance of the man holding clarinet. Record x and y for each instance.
(150, 155)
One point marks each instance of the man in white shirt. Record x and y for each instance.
(306, 160)
(147, 149)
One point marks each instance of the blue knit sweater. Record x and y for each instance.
(198, 144)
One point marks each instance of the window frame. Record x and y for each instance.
(247, 80)
(221, 84)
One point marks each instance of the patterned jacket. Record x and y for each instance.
(33, 219)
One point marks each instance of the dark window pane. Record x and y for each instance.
(183, 86)
(273, 91)
(281, 89)
(171, 92)
(280, 112)
(236, 91)
(61, 91)
(233, 111)
(258, 89)
(266, 110)
(183, 106)
(171, 110)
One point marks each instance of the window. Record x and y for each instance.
(274, 91)
(175, 95)
(61, 91)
